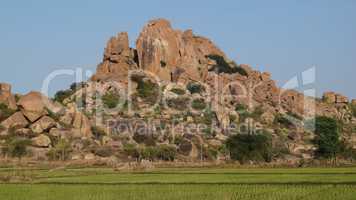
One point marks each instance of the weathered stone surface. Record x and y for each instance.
(33, 105)
(6, 97)
(43, 124)
(16, 120)
(332, 97)
(119, 58)
(161, 49)
(89, 156)
(41, 141)
(82, 126)
(60, 132)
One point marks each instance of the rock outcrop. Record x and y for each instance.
(161, 50)
(6, 97)
(16, 120)
(33, 105)
(119, 58)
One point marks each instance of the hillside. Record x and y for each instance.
(176, 97)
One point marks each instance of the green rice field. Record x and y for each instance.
(182, 183)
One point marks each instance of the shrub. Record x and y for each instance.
(179, 103)
(111, 99)
(132, 151)
(5, 112)
(60, 151)
(178, 91)
(163, 64)
(224, 67)
(241, 108)
(283, 121)
(327, 137)
(98, 132)
(61, 95)
(149, 153)
(244, 147)
(146, 89)
(257, 112)
(198, 104)
(353, 109)
(16, 147)
(76, 86)
(104, 151)
(209, 153)
(166, 153)
(195, 88)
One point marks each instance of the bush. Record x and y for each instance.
(178, 91)
(61, 95)
(166, 153)
(327, 137)
(111, 99)
(149, 153)
(60, 151)
(5, 112)
(179, 103)
(195, 88)
(199, 104)
(98, 132)
(132, 151)
(16, 147)
(146, 89)
(353, 109)
(77, 86)
(283, 121)
(244, 147)
(185, 147)
(104, 151)
(224, 67)
(257, 112)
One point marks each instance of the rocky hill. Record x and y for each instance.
(175, 96)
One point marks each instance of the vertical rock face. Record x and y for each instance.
(6, 97)
(162, 50)
(119, 58)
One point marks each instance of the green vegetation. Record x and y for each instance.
(179, 183)
(327, 137)
(163, 64)
(61, 95)
(179, 103)
(5, 112)
(103, 151)
(224, 67)
(283, 121)
(198, 104)
(248, 147)
(146, 89)
(98, 132)
(194, 87)
(60, 151)
(151, 153)
(111, 99)
(178, 91)
(16, 147)
(353, 109)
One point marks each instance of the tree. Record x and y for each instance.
(327, 137)
(17, 147)
(255, 147)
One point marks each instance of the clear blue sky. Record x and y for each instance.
(283, 37)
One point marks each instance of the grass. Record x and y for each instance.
(180, 183)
